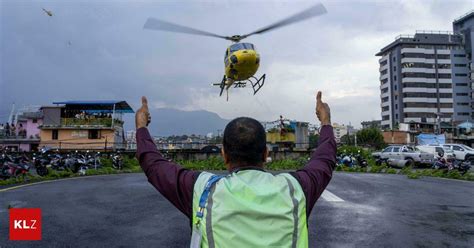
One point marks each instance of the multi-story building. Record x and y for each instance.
(425, 77)
(339, 131)
(78, 125)
(465, 27)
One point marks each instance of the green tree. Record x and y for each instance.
(313, 140)
(348, 139)
(371, 137)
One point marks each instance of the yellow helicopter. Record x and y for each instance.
(241, 59)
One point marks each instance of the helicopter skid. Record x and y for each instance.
(257, 83)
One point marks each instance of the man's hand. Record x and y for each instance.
(322, 110)
(142, 117)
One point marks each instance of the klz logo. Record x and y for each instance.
(25, 224)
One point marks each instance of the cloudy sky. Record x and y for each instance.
(98, 50)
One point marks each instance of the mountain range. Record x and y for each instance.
(169, 121)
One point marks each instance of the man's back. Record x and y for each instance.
(249, 204)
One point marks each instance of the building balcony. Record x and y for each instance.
(418, 69)
(86, 123)
(443, 51)
(418, 80)
(419, 89)
(417, 60)
(5, 139)
(417, 50)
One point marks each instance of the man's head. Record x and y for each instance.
(244, 143)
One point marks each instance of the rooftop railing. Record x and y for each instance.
(468, 13)
(89, 122)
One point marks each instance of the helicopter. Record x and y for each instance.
(241, 59)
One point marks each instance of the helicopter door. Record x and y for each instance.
(226, 54)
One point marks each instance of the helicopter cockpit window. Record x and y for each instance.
(236, 47)
(248, 46)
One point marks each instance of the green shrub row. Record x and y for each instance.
(216, 163)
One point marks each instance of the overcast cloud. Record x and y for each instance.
(98, 50)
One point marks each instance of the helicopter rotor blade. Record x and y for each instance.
(155, 24)
(313, 11)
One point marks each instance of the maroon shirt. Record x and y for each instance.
(177, 183)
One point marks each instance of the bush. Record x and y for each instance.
(413, 176)
(391, 171)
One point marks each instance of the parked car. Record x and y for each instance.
(412, 156)
(437, 150)
(461, 152)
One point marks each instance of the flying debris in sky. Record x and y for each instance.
(48, 12)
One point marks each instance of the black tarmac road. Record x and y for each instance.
(360, 210)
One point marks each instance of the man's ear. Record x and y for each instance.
(265, 154)
(224, 156)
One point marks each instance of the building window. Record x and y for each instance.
(396, 97)
(383, 72)
(463, 113)
(396, 107)
(444, 75)
(94, 134)
(54, 134)
(395, 87)
(460, 65)
(427, 85)
(383, 63)
(35, 120)
(394, 68)
(427, 95)
(443, 56)
(444, 66)
(462, 94)
(460, 55)
(394, 59)
(394, 77)
(460, 75)
(462, 103)
(427, 105)
(461, 84)
(396, 116)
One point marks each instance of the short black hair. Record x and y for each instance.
(244, 141)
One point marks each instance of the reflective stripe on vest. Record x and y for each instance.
(250, 208)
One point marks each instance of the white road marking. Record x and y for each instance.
(330, 197)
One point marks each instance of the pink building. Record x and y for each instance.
(26, 137)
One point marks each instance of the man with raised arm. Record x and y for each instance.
(248, 207)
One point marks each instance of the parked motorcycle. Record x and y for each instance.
(117, 161)
(14, 166)
(360, 160)
(41, 163)
(462, 166)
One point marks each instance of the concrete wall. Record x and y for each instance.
(77, 139)
(396, 137)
